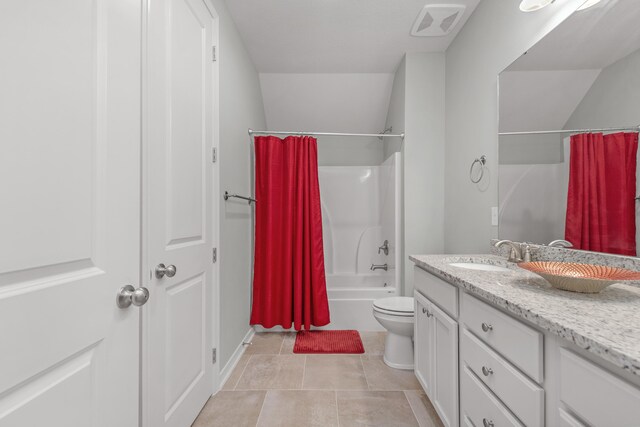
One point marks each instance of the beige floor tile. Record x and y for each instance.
(374, 408)
(334, 372)
(272, 371)
(423, 409)
(231, 382)
(382, 377)
(266, 343)
(288, 343)
(373, 342)
(306, 408)
(231, 408)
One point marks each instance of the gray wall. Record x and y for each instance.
(241, 108)
(349, 151)
(423, 158)
(614, 98)
(331, 102)
(395, 113)
(496, 34)
(417, 108)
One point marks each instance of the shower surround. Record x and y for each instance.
(360, 210)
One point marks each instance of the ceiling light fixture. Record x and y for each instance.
(588, 4)
(533, 5)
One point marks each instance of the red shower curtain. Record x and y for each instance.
(289, 280)
(601, 214)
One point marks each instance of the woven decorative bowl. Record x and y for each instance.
(585, 278)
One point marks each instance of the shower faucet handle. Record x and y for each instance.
(384, 247)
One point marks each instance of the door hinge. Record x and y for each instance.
(214, 357)
(214, 256)
(214, 155)
(214, 58)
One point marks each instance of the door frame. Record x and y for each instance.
(146, 270)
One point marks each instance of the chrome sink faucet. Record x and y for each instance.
(519, 251)
(375, 267)
(384, 248)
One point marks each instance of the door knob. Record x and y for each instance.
(128, 295)
(162, 270)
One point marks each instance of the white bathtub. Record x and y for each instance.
(351, 298)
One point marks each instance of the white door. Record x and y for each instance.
(69, 212)
(178, 215)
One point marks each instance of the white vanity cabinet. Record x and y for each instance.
(436, 357)
(483, 367)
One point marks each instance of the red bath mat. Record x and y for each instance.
(312, 342)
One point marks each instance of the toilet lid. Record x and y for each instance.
(396, 304)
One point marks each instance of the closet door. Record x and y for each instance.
(178, 115)
(69, 212)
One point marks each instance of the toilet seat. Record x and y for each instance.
(395, 306)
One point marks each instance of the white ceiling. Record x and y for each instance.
(335, 36)
(590, 39)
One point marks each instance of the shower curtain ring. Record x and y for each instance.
(482, 161)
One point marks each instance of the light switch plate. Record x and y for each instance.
(494, 215)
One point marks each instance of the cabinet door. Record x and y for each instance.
(595, 395)
(444, 366)
(423, 342)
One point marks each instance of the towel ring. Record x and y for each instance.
(482, 161)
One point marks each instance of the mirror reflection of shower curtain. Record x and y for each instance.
(601, 196)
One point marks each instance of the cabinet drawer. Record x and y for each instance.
(443, 294)
(479, 407)
(521, 395)
(517, 342)
(595, 395)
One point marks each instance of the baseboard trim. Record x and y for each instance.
(225, 373)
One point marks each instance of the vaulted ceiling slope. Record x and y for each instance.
(335, 36)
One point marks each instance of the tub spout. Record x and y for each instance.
(375, 267)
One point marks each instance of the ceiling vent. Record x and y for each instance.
(436, 20)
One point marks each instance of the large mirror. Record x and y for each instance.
(568, 144)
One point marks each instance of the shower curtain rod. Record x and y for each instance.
(543, 132)
(267, 132)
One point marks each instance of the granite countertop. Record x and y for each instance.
(606, 324)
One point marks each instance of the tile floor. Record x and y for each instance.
(271, 386)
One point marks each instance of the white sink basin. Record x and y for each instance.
(479, 266)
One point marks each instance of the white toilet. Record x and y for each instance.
(396, 315)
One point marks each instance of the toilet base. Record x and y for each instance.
(398, 351)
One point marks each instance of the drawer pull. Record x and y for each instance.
(487, 327)
(487, 371)
(424, 310)
(487, 423)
